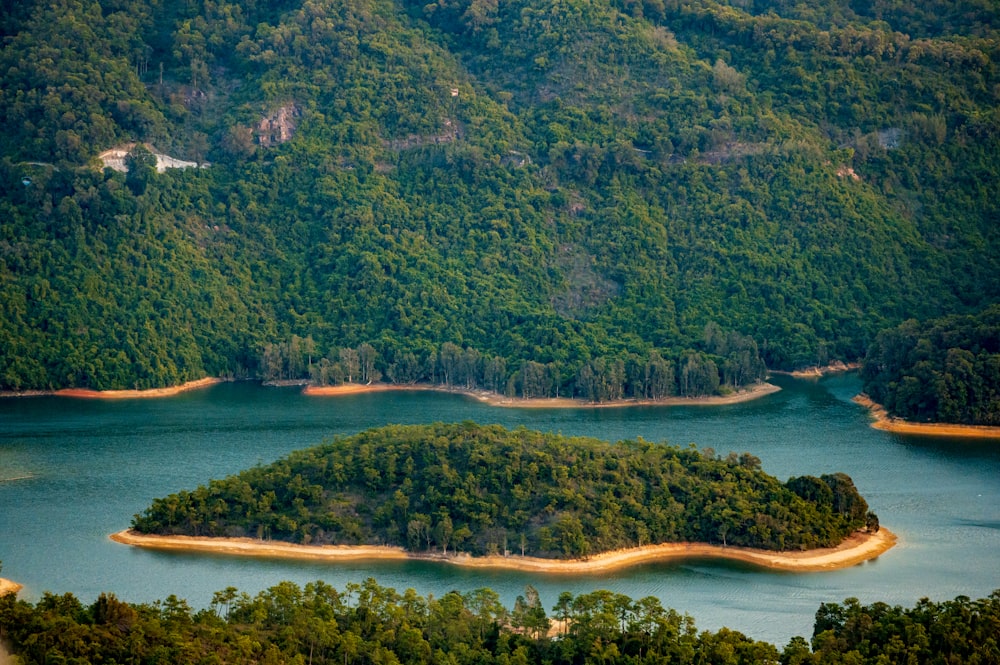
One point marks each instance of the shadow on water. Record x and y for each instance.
(959, 448)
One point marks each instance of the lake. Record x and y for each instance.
(74, 471)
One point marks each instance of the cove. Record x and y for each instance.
(74, 471)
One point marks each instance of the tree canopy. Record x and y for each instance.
(485, 489)
(572, 191)
(366, 623)
(943, 370)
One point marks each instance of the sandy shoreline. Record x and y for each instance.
(753, 392)
(816, 372)
(883, 421)
(9, 586)
(856, 549)
(87, 393)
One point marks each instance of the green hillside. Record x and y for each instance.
(585, 197)
(484, 489)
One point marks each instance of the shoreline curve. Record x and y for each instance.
(89, 393)
(755, 391)
(86, 393)
(883, 421)
(857, 548)
(817, 372)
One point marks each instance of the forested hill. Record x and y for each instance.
(484, 489)
(546, 197)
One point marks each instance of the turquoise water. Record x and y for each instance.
(74, 471)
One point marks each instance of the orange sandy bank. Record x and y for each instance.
(836, 367)
(86, 393)
(858, 548)
(753, 392)
(8, 586)
(885, 422)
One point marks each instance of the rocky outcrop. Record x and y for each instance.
(115, 159)
(278, 127)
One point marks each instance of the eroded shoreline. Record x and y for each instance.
(856, 549)
(883, 421)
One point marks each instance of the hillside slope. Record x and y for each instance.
(587, 197)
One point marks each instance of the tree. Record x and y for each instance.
(350, 361)
(140, 168)
(443, 531)
(367, 359)
(699, 375)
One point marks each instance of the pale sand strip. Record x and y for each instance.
(815, 372)
(753, 392)
(9, 586)
(86, 393)
(856, 549)
(887, 423)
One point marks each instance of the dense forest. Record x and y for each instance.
(366, 624)
(485, 489)
(584, 197)
(945, 369)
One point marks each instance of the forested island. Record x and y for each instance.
(480, 490)
(365, 623)
(594, 199)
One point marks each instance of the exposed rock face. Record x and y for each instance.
(114, 158)
(278, 127)
(451, 131)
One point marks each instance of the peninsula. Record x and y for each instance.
(470, 490)
(89, 393)
(883, 421)
(168, 391)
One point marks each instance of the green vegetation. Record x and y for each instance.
(366, 623)
(574, 194)
(484, 489)
(944, 370)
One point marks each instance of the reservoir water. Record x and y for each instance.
(74, 471)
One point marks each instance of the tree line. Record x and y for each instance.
(367, 624)
(727, 362)
(488, 490)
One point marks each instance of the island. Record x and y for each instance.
(474, 494)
